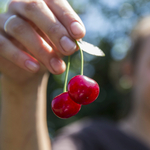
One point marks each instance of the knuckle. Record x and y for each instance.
(54, 29)
(70, 15)
(18, 27)
(32, 6)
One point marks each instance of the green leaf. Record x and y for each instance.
(90, 49)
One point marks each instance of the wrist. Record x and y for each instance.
(23, 114)
(24, 92)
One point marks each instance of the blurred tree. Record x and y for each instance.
(3, 5)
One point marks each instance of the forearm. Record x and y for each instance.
(23, 117)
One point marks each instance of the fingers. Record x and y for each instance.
(67, 17)
(55, 19)
(26, 35)
(39, 13)
(18, 57)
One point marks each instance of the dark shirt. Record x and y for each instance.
(96, 134)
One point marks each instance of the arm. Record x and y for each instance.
(23, 116)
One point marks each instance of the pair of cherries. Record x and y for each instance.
(81, 91)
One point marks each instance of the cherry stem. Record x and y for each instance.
(66, 76)
(82, 58)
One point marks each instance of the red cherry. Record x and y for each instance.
(83, 90)
(64, 107)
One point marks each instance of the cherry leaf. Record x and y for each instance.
(89, 48)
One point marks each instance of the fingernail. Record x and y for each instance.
(77, 28)
(32, 66)
(67, 44)
(56, 64)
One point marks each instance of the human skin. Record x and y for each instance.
(138, 121)
(46, 31)
(23, 105)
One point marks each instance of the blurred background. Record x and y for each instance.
(108, 24)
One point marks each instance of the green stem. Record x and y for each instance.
(66, 76)
(82, 58)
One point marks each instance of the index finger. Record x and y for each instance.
(67, 16)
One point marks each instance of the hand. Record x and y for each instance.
(42, 32)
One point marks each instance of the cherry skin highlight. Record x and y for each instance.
(83, 90)
(64, 107)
